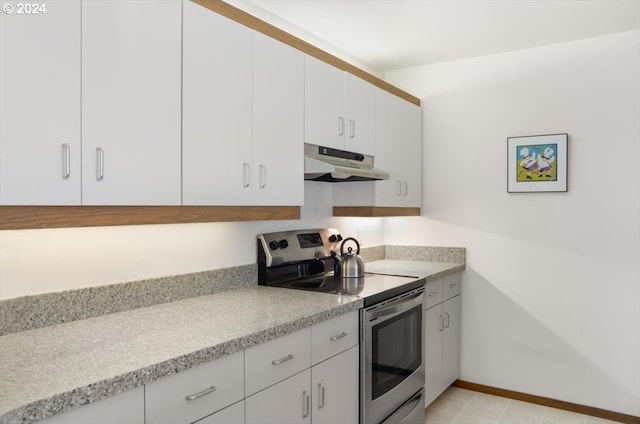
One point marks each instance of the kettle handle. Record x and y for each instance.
(346, 240)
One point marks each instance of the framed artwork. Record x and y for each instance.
(537, 163)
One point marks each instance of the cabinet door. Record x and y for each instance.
(124, 408)
(217, 107)
(324, 104)
(288, 402)
(360, 115)
(451, 344)
(40, 105)
(131, 78)
(335, 385)
(433, 328)
(278, 101)
(398, 151)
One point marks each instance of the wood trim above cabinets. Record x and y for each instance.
(374, 211)
(259, 25)
(33, 217)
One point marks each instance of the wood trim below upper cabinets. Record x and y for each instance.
(551, 403)
(259, 25)
(26, 217)
(374, 211)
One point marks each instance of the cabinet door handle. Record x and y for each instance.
(340, 125)
(200, 394)
(246, 170)
(306, 407)
(446, 315)
(441, 323)
(99, 164)
(282, 360)
(263, 176)
(352, 128)
(320, 395)
(66, 161)
(433, 293)
(338, 336)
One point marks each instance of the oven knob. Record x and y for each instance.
(333, 238)
(273, 245)
(339, 237)
(284, 244)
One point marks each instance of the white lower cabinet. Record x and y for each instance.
(288, 402)
(233, 414)
(125, 408)
(334, 385)
(196, 393)
(442, 335)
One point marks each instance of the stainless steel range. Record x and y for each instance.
(391, 323)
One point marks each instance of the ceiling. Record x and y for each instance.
(396, 34)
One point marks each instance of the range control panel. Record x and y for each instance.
(299, 245)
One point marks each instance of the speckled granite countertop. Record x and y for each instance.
(55, 369)
(428, 270)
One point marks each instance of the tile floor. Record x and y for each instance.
(461, 406)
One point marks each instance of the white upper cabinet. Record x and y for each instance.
(217, 109)
(131, 82)
(278, 118)
(243, 105)
(339, 108)
(398, 151)
(40, 105)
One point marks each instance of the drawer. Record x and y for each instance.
(275, 360)
(433, 293)
(166, 399)
(334, 336)
(451, 285)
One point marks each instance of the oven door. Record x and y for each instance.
(392, 362)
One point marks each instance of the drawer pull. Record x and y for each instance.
(453, 286)
(200, 394)
(338, 337)
(433, 293)
(282, 360)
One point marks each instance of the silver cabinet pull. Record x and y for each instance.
(99, 164)
(352, 128)
(340, 125)
(453, 285)
(200, 394)
(66, 161)
(263, 176)
(441, 323)
(246, 169)
(446, 315)
(282, 360)
(338, 336)
(433, 293)
(320, 395)
(399, 193)
(306, 407)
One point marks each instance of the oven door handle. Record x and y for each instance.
(397, 307)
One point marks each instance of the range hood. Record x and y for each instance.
(333, 165)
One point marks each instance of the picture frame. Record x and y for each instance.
(537, 163)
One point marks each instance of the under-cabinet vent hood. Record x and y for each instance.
(333, 165)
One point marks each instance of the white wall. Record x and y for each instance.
(40, 261)
(551, 295)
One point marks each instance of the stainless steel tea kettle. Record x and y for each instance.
(348, 265)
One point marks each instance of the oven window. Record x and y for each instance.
(396, 347)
